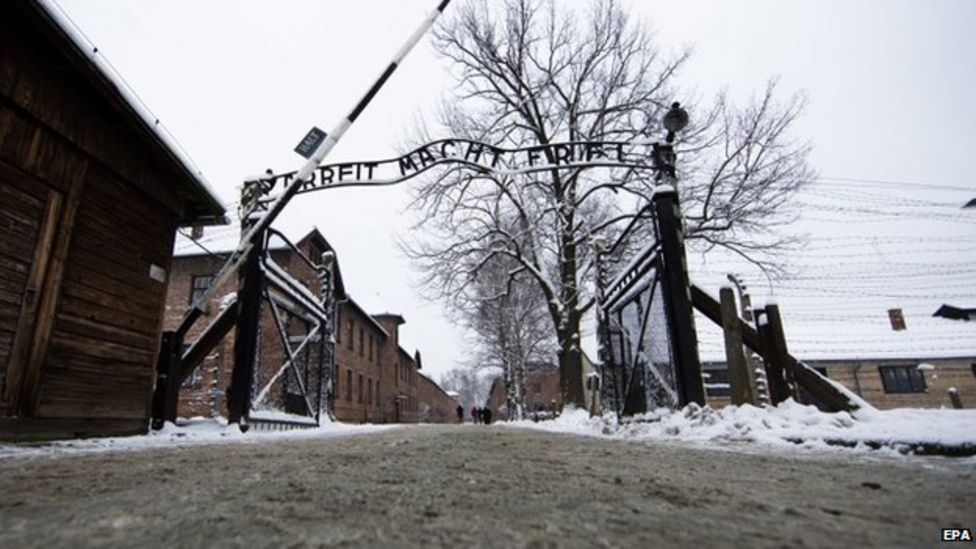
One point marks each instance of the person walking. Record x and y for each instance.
(475, 414)
(460, 413)
(487, 416)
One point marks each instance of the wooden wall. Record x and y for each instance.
(89, 204)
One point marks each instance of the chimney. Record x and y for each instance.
(196, 232)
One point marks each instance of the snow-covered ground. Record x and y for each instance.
(786, 425)
(195, 431)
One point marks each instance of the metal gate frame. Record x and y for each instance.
(659, 271)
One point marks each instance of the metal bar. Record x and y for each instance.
(210, 337)
(166, 394)
(264, 391)
(684, 339)
(239, 256)
(246, 337)
(283, 334)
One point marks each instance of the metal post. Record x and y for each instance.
(250, 288)
(678, 305)
(604, 351)
(166, 395)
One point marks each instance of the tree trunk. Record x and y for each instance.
(571, 367)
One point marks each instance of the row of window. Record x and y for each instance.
(369, 350)
(368, 389)
(894, 379)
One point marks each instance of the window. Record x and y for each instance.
(377, 401)
(338, 328)
(199, 285)
(361, 338)
(349, 385)
(902, 379)
(335, 383)
(370, 347)
(360, 399)
(349, 343)
(973, 366)
(369, 391)
(717, 383)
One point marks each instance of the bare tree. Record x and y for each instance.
(471, 388)
(511, 326)
(531, 74)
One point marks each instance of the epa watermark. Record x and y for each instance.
(957, 534)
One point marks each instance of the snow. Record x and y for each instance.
(227, 300)
(925, 367)
(195, 431)
(789, 425)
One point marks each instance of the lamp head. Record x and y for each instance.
(675, 120)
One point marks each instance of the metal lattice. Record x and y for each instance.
(640, 364)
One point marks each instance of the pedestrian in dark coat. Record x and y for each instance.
(475, 414)
(460, 413)
(487, 416)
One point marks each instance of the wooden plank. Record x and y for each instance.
(32, 429)
(780, 358)
(739, 378)
(69, 343)
(104, 296)
(712, 310)
(83, 327)
(811, 380)
(26, 398)
(92, 311)
(28, 314)
(206, 341)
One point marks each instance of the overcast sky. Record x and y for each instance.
(889, 85)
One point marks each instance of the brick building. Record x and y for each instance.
(195, 262)
(374, 380)
(891, 382)
(542, 395)
(435, 405)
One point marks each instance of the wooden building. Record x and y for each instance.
(91, 194)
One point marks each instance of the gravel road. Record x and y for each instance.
(460, 486)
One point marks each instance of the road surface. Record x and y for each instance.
(462, 486)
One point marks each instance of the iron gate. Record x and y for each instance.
(648, 345)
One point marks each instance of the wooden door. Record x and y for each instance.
(29, 214)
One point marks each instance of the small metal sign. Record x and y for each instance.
(897, 319)
(310, 142)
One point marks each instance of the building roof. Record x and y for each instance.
(204, 204)
(220, 240)
(448, 394)
(379, 327)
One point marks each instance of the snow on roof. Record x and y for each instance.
(97, 59)
(859, 338)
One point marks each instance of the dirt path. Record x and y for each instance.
(478, 486)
